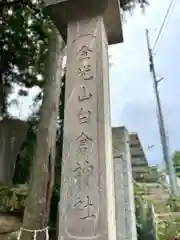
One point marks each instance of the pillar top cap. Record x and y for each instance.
(63, 11)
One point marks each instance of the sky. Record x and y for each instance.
(132, 98)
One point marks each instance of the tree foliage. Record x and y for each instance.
(128, 5)
(24, 30)
(145, 224)
(176, 162)
(176, 158)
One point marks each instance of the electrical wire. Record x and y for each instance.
(165, 20)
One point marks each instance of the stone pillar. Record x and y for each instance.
(12, 134)
(124, 196)
(87, 195)
(87, 190)
(3, 237)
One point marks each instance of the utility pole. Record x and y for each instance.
(164, 142)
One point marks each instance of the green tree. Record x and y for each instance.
(176, 162)
(129, 5)
(24, 31)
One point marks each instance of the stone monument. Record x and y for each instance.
(124, 196)
(12, 135)
(87, 185)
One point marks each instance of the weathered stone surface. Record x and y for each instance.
(124, 196)
(87, 190)
(64, 11)
(12, 135)
(9, 224)
(3, 237)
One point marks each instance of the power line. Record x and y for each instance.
(168, 12)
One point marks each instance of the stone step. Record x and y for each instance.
(161, 208)
(168, 216)
(157, 198)
(153, 189)
(150, 184)
(159, 202)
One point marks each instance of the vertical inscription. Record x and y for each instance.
(86, 207)
(83, 173)
(83, 170)
(85, 71)
(83, 142)
(84, 116)
(84, 95)
(84, 53)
